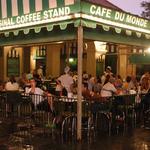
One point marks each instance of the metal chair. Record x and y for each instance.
(103, 114)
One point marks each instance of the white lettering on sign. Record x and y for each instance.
(28, 18)
(118, 16)
(47, 14)
(100, 11)
(35, 17)
(137, 21)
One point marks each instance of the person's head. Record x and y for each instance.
(84, 86)
(67, 69)
(58, 82)
(147, 74)
(107, 79)
(118, 83)
(32, 82)
(108, 69)
(112, 80)
(24, 75)
(128, 79)
(12, 79)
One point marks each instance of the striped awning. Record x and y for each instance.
(24, 15)
(11, 8)
(16, 15)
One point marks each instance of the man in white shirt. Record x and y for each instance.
(38, 93)
(66, 80)
(108, 89)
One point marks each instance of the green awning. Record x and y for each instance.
(44, 36)
(99, 34)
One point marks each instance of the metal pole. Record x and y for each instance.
(79, 102)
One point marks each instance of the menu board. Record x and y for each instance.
(13, 66)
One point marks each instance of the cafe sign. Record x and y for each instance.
(36, 18)
(87, 11)
(113, 16)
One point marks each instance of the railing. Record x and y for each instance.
(49, 112)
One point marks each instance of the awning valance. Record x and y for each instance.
(93, 24)
(37, 29)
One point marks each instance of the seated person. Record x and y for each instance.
(38, 96)
(59, 88)
(108, 88)
(12, 85)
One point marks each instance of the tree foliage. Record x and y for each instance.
(146, 12)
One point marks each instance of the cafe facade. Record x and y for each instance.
(34, 33)
(85, 34)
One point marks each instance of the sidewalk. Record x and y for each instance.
(137, 139)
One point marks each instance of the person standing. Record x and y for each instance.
(66, 81)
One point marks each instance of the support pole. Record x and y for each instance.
(79, 102)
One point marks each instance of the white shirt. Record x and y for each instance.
(37, 96)
(108, 89)
(12, 86)
(66, 81)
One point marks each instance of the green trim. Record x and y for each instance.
(45, 4)
(93, 24)
(42, 37)
(37, 29)
(20, 7)
(16, 32)
(118, 30)
(99, 34)
(9, 8)
(49, 27)
(63, 26)
(32, 6)
(6, 34)
(26, 31)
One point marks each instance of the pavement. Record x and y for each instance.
(134, 139)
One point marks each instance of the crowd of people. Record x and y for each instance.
(110, 84)
(106, 85)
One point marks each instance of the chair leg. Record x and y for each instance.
(110, 123)
(74, 125)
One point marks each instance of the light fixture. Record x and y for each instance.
(100, 46)
(71, 60)
(148, 50)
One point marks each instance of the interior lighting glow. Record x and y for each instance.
(148, 50)
(100, 46)
(71, 60)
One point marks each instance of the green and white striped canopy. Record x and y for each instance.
(11, 8)
(24, 15)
